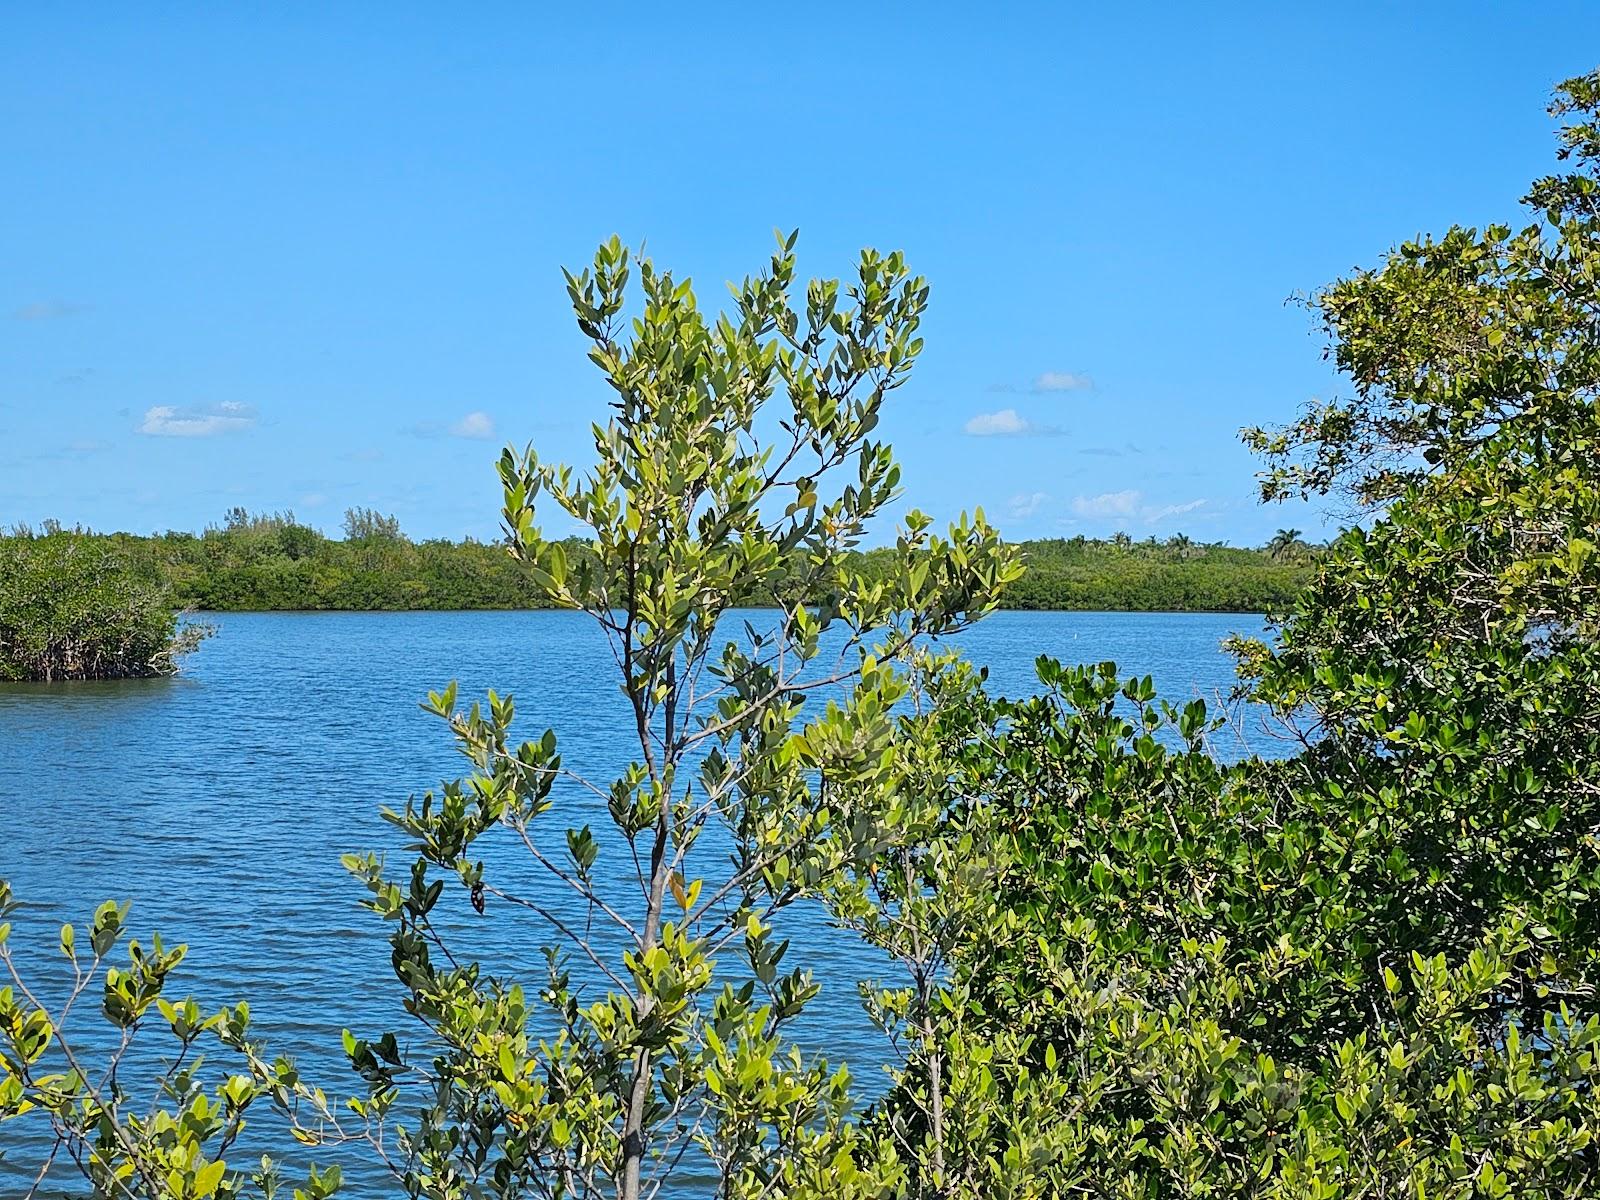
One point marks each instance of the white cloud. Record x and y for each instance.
(1006, 423)
(1062, 381)
(1172, 510)
(997, 424)
(1025, 504)
(1131, 503)
(478, 425)
(166, 420)
(1108, 504)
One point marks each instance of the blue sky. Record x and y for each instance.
(306, 256)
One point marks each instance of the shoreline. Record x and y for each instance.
(1110, 612)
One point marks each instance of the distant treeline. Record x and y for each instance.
(1176, 574)
(271, 561)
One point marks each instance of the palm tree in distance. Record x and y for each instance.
(1285, 544)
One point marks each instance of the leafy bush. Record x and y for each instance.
(1371, 968)
(71, 609)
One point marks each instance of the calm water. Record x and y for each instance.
(219, 802)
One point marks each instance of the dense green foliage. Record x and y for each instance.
(1372, 968)
(271, 562)
(72, 608)
(1119, 964)
(1175, 575)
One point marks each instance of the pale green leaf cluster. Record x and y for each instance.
(172, 1143)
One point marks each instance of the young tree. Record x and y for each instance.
(700, 496)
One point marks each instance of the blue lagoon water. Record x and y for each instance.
(220, 801)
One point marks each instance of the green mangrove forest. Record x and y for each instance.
(74, 607)
(272, 562)
(1115, 963)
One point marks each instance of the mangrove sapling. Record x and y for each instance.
(700, 496)
(925, 890)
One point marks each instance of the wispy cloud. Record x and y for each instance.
(1063, 381)
(1050, 381)
(1108, 504)
(1025, 504)
(1131, 503)
(478, 425)
(76, 450)
(47, 310)
(1173, 510)
(1007, 423)
(166, 420)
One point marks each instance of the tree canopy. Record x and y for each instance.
(262, 562)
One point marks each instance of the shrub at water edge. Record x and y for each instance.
(70, 609)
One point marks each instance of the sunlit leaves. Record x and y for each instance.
(737, 464)
(171, 1144)
(1372, 964)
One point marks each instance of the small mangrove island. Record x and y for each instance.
(71, 607)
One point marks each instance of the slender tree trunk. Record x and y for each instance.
(935, 1099)
(930, 1044)
(633, 1128)
(639, 1093)
(660, 868)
